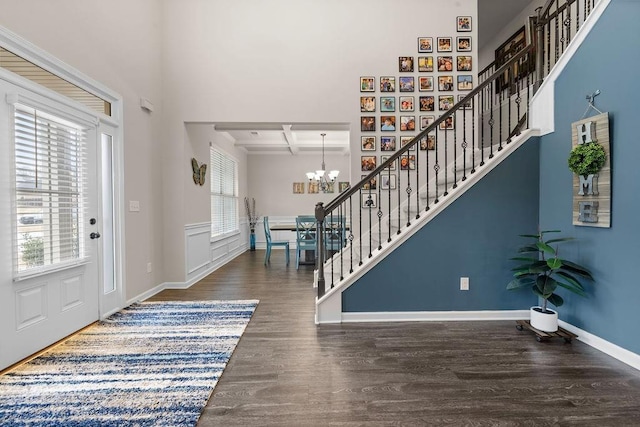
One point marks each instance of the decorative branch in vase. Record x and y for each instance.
(252, 217)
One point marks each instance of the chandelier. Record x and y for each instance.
(319, 175)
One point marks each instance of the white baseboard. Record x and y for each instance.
(434, 316)
(613, 350)
(146, 295)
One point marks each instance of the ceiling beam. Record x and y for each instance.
(290, 138)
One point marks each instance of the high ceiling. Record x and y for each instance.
(287, 138)
(298, 138)
(493, 15)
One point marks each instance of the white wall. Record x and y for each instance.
(488, 53)
(222, 61)
(282, 61)
(117, 43)
(271, 179)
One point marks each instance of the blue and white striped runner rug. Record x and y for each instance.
(152, 364)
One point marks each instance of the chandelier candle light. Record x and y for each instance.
(319, 176)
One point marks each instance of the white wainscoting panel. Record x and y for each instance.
(197, 241)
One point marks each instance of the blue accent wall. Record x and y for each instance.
(474, 238)
(609, 60)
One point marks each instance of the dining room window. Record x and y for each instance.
(224, 194)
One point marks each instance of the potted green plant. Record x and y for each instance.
(543, 272)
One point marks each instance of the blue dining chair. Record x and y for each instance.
(305, 235)
(335, 232)
(272, 243)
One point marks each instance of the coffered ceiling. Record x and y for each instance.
(287, 138)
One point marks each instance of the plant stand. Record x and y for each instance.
(546, 336)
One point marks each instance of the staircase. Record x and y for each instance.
(489, 124)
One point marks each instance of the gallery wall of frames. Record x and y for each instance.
(395, 107)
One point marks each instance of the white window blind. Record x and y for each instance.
(50, 182)
(224, 194)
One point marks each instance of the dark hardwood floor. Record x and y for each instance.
(286, 371)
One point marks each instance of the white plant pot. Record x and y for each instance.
(546, 322)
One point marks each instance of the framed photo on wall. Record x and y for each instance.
(425, 121)
(426, 83)
(425, 63)
(368, 143)
(387, 104)
(445, 102)
(465, 82)
(464, 23)
(406, 103)
(428, 143)
(367, 124)
(371, 185)
(445, 83)
(464, 63)
(447, 124)
(445, 63)
(391, 167)
(387, 123)
(367, 163)
(388, 181)
(407, 84)
(387, 84)
(425, 44)
(427, 103)
(367, 104)
(387, 143)
(369, 200)
(404, 140)
(463, 44)
(407, 123)
(405, 64)
(343, 186)
(298, 188)
(444, 44)
(408, 162)
(367, 84)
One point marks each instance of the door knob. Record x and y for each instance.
(94, 235)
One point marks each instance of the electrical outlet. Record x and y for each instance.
(464, 283)
(148, 267)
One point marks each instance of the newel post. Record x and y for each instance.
(319, 249)
(539, 50)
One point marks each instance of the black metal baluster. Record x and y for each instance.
(408, 190)
(350, 233)
(378, 186)
(464, 149)
(548, 32)
(396, 162)
(500, 100)
(417, 156)
(341, 239)
(473, 135)
(427, 169)
(436, 167)
(389, 207)
(360, 200)
(328, 235)
(369, 205)
(491, 121)
(556, 37)
(512, 80)
(445, 191)
(482, 104)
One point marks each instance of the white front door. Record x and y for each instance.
(49, 221)
(111, 290)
